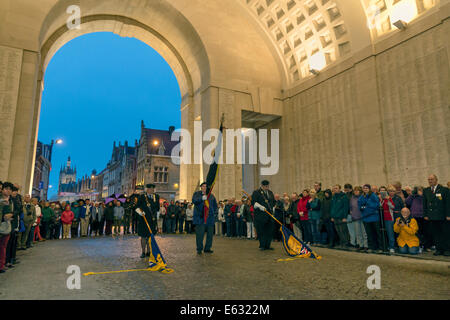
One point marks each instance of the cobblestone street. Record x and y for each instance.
(236, 270)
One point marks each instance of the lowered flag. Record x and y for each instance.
(294, 247)
(156, 261)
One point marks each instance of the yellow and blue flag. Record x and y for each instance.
(294, 247)
(156, 261)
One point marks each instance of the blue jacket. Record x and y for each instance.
(315, 211)
(370, 208)
(198, 209)
(339, 206)
(82, 212)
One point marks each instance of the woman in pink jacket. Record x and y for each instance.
(66, 218)
(304, 219)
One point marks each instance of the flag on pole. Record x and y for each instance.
(213, 171)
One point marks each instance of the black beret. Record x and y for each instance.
(265, 183)
(150, 185)
(203, 184)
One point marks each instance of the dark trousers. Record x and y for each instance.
(45, 230)
(229, 232)
(134, 224)
(264, 228)
(239, 228)
(342, 231)
(11, 247)
(108, 228)
(440, 234)
(188, 226)
(306, 230)
(200, 231)
(224, 228)
(424, 233)
(181, 225)
(56, 231)
(101, 226)
(30, 237)
(373, 232)
(329, 227)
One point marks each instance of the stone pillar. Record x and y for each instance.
(10, 73)
(215, 102)
(24, 136)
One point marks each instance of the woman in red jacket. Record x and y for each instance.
(304, 220)
(66, 218)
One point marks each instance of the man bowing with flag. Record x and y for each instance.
(204, 217)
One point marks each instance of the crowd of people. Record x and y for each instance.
(369, 218)
(365, 218)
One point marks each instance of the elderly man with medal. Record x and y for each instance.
(263, 199)
(148, 205)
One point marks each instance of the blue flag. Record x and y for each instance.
(295, 247)
(156, 261)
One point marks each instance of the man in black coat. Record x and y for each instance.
(436, 210)
(263, 199)
(149, 203)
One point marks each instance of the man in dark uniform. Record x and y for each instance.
(436, 210)
(149, 201)
(263, 199)
(146, 206)
(204, 219)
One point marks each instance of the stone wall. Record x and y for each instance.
(385, 119)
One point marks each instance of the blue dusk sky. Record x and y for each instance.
(98, 88)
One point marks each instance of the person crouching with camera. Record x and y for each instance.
(407, 228)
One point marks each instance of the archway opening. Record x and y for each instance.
(99, 87)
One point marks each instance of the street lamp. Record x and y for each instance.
(155, 143)
(59, 141)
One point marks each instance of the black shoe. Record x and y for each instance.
(199, 252)
(209, 251)
(2, 271)
(269, 249)
(147, 254)
(143, 256)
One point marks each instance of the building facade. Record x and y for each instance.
(154, 162)
(42, 168)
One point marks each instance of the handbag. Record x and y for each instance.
(5, 228)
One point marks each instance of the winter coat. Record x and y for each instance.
(301, 207)
(326, 209)
(118, 212)
(436, 206)
(355, 212)
(314, 210)
(388, 209)
(48, 214)
(369, 206)
(339, 206)
(199, 209)
(67, 217)
(109, 213)
(407, 234)
(415, 205)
